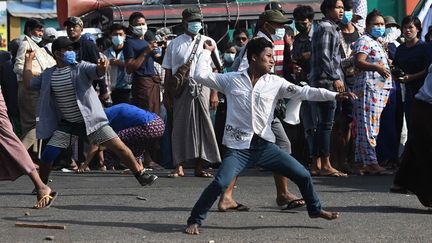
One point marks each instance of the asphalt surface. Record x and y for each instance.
(103, 207)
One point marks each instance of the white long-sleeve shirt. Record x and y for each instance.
(250, 108)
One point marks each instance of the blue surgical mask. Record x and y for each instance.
(378, 31)
(347, 17)
(69, 57)
(36, 39)
(117, 40)
(157, 51)
(229, 57)
(279, 34)
(194, 27)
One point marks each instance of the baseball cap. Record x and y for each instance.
(390, 21)
(190, 14)
(49, 33)
(63, 42)
(274, 16)
(274, 6)
(73, 21)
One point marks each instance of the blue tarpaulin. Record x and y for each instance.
(43, 9)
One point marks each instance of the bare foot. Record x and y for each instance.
(178, 172)
(326, 215)
(192, 229)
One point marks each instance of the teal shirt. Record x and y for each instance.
(48, 113)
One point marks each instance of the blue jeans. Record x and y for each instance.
(325, 112)
(266, 155)
(308, 118)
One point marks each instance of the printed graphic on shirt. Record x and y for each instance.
(235, 133)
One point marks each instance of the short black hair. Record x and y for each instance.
(256, 46)
(302, 12)
(135, 15)
(327, 5)
(117, 26)
(348, 4)
(32, 24)
(229, 45)
(410, 19)
(239, 31)
(372, 15)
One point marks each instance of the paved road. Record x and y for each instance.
(103, 207)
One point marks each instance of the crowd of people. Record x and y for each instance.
(301, 98)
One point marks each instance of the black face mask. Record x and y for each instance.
(302, 28)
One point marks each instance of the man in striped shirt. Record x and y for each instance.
(69, 108)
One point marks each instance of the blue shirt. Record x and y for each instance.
(413, 60)
(117, 74)
(132, 49)
(124, 116)
(82, 76)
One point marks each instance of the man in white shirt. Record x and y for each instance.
(271, 27)
(252, 96)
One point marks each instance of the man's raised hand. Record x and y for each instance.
(102, 65)
(209, 46)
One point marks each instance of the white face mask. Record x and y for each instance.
(139, 30)
(279, 34)
(229, 57)
(36, 39)
(392, 31)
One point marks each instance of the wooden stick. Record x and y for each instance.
(43, 226)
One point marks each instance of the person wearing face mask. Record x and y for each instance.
(139, 55)
(27, 99)
(372, 85)
(413, 58)
(119, 83)
(193, 137)
(229, 56)
(391, 122)
(301, 54)
(69, 108)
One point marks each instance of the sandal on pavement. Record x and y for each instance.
(239, 208)
(296, 203)
(175, 175)
(51, 197)
(333, 174)
(204, 174)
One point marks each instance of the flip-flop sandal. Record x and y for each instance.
(240, 208)
(204, 174)
(296, 203)
(174, 175)
(314, 173)
(52, 197)
(334, 174)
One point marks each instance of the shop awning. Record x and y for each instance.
(31, 10)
